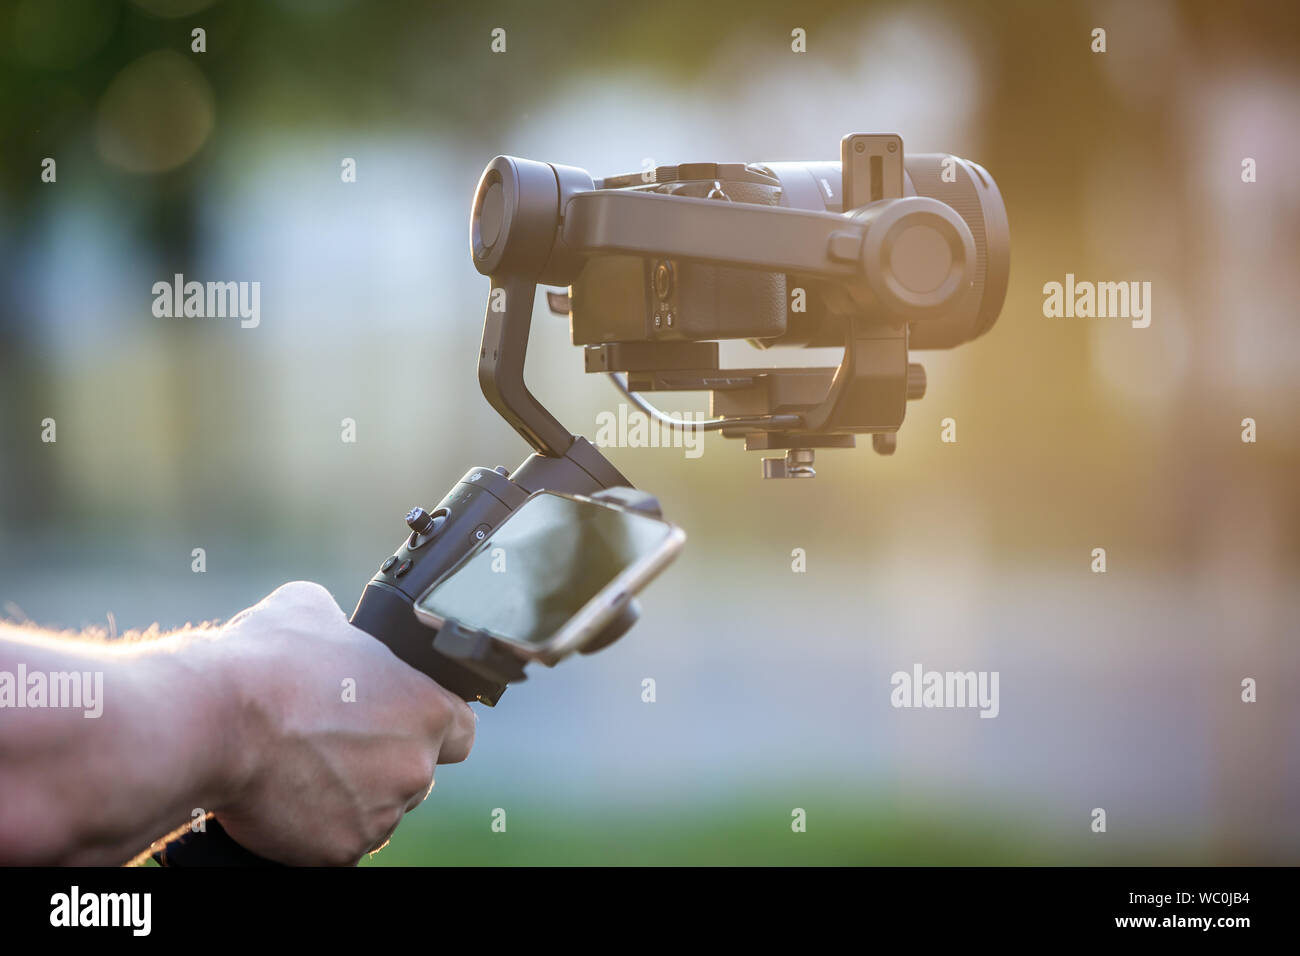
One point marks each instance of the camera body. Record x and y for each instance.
(624, 298)
(628, 298)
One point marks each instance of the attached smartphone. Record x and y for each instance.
(548, 579)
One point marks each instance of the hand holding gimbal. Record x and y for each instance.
(875, 253)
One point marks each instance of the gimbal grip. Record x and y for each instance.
(479, 501)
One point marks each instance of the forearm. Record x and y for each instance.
(314, 768)
(81, 788)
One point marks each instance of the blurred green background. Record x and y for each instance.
(1118, 691)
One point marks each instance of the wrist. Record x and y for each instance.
(216, 676)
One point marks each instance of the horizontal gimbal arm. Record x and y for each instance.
(906, 258)
(771, 238)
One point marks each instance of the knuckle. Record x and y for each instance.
(438, 710)
(420, 775)
(344, 853)
(303, 593)
(457, 748)
(469, 733)
(382, 825)
(411, 768)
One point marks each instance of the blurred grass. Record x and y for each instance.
(753, 832)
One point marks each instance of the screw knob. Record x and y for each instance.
(419, 520)
(915, 381)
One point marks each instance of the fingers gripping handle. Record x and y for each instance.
(213, 846)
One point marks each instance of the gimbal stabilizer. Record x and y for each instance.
(876, 254)
(656, 266)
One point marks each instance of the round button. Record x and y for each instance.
(388, 563)
(403, 568)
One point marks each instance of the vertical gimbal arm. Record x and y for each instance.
(501, 366)
(514, 238)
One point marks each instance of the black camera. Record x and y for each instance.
(624, 298)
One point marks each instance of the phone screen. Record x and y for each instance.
(542, 565)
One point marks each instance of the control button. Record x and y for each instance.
(481, 532)
(403, 568)
(502, 470)
(388, 562)
(663, 280)
(425, 525)
(419, 520)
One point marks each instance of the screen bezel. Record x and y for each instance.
(587, 622)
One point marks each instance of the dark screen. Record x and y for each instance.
(542, 565)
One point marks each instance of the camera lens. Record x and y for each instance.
(968, 190)
(964, 187)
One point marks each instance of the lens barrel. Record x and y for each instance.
(963, 187)
(969, 190)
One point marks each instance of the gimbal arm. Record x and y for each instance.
(771, 238)
(501, 366)
(513, 226)
(864, 251)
